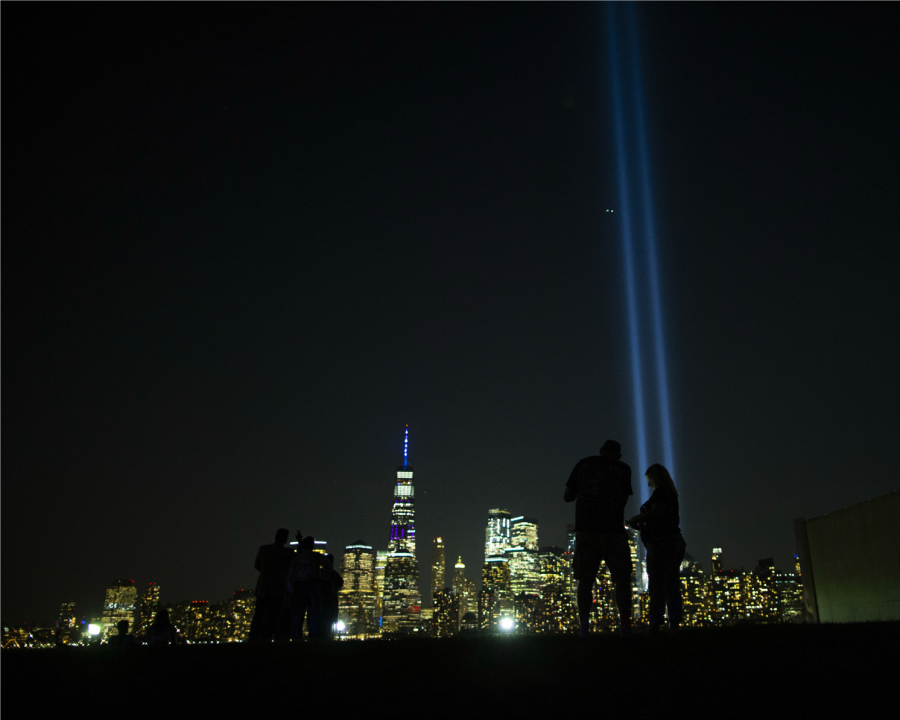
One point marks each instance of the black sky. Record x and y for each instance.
(244, 246)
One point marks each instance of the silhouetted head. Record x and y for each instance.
(162, 618)
(611, 449)
(658, 476)
(308, 543)
(123, 627)
(281, 536)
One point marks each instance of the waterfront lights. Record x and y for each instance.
(507, 624)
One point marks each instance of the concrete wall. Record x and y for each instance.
(852, 571)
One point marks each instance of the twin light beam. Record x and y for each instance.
(638, 232)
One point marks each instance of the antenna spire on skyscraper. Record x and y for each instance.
(406, 447)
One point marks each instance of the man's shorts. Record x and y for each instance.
(593, 548)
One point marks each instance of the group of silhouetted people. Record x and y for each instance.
(600, 485)
(302, 586)
(295, 588)
(160, 632)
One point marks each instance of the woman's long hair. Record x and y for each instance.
(660, 477)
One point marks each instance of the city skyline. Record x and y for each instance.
(244, 248)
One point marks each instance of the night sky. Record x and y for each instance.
(244, 246)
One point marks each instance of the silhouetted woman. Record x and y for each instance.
(658, 522)
(162, 632)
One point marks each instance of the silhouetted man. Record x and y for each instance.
(272, 561)
(600, 486)
(123, 639)
(305, 585)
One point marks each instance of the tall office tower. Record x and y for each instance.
(67, 630)
(556, 612)
(148, 604)
(693, 598)
(235, 616)
(496, 535)
(717, 561)
(357, 598)
(734, 603)
(438, 563)
(380, 564)
(762, 597)
(194, 620)
(118, 605)
(639, 579)
(524, 571)
(524, 565)
(465, 590)
(67, 617)
(790, 597)
(401, 606)
(403, 514)
(570, 537)
(445, 620)
(402, 603)
(494, 599)
(524, 533)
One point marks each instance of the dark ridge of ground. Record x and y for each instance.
(754, 671)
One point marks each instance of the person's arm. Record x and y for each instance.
(258, 563)
(571, 494)
(652, 513)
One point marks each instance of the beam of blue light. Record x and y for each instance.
(650, 244)
(627, 241)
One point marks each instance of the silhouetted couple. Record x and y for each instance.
(313, 585)
(601, 485)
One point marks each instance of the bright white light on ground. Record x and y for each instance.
(339, 626)
(93, 630)
(507, 624)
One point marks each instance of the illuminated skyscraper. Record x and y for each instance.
(236, 615)
(119, 604)
(67, 630)
(194, 620)
(556, 611)
(639, 579)
(446, 612)
(403, 513)
(357, 598)
(494, 599)
(497, 533)
(717, 561)
(465, 589)
(524, 533)
(147, 607)
(402, 602)
(438, 562)
(570, 537)
(522, 554)
(380, 564)
(67, 617)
